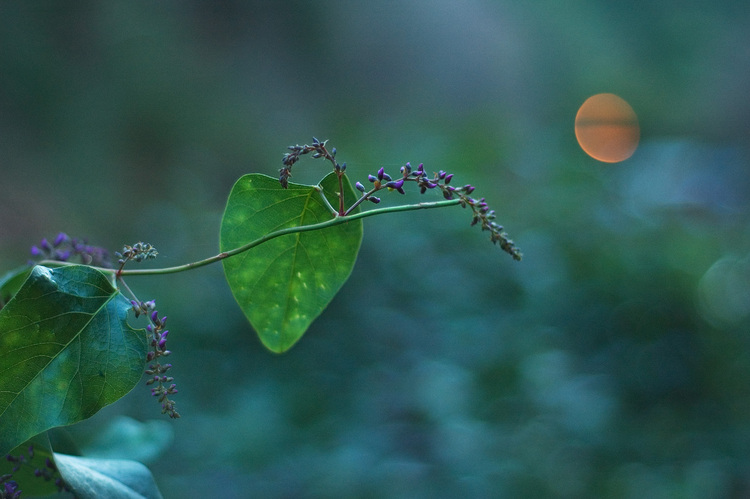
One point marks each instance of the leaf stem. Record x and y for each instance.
(333, 210)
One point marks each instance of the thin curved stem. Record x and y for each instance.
(281, 232)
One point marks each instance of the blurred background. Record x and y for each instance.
(612, 362)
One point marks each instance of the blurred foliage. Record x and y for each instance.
(611, 362)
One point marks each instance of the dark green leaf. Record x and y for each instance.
(285, 283)
(111, 478)
(66, 351)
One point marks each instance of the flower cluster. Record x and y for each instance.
(157, 371)
(441, 180)
(9, 488)
(49, 472)
(138, 252)
(63, 248)
(318, 149)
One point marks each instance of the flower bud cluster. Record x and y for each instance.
(486, 217)
(48, 472)
(442, 180)
(138, 252)
(318, 148)
(63, 248)
(156, 371)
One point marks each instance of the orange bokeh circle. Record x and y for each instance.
(607, 128)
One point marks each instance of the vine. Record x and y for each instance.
(64, 318)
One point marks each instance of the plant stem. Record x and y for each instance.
(282, 232)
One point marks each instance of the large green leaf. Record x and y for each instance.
(66, 351)
(284, 284)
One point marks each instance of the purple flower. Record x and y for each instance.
(62, 256)
(11, 489)
(395, 184)
(61, 237)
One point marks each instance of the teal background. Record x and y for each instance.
(612, 362)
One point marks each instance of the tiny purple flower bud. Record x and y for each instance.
(155, 317)
(395, 184)
(441, 174)
(150, 356)
(149, 328)
(387, 177)
(371, 178)
(61, 237)
(162, 343)
(35, 251)
(381, 172)
(45, 245)
(360, 187)
(374, 199)
(448, 178)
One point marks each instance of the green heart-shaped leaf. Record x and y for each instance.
(283, 284)
(66, 351)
